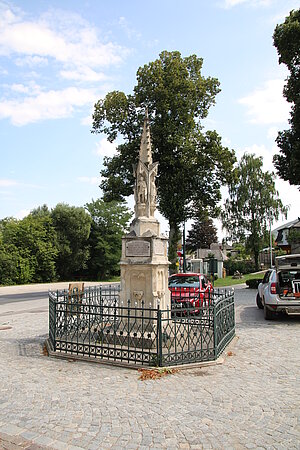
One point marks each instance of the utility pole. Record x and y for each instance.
(183, 248)
(271, 255)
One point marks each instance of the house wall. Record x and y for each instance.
(284, 240)
(200, 266)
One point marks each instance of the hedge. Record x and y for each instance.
(253, 284)
(241, 265)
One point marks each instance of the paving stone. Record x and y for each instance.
(56, 404)
(57, 445)
(43, 441)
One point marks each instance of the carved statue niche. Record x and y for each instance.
(142, 190)
(153, 191)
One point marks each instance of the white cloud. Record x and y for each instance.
(105, 148)
(256, 3)
(83, 74)
(32, 61)
(272, 133)
(130, 32)
(31, 88)
(66, 39)
(46, 105)
(7, 183)
(19, 88)
(87, 120)
(71, 47)
(261, 150)
(22, 213)
(266, 105)
(284, 12)
(289, 195)
(226, 141)
(90, 180)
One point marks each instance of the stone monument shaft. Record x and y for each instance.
(144, 263)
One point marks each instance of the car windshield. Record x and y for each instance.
(186, 280)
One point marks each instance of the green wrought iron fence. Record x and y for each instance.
(95, 324)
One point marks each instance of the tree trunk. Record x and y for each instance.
(256, 260)
(174, 237)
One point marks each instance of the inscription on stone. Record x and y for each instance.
(138, 248)
(158, 247)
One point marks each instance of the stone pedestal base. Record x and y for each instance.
(143, 226)
(144, 270)
(145, 285)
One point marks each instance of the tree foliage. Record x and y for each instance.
(72, 225)
(287, 41)
(27, 250)
(294, 236)
(192, 164)
(64, 243)
(253, 201)
(202, 234)
(109, 224)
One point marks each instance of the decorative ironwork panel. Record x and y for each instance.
(96, 324)
(52, 318)
(187, 335)
(224, 321)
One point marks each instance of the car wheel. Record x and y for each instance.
(268, 315)
(258, 301)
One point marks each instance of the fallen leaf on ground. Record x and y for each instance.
(45, 350)
(153, 374)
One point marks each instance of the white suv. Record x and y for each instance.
(279, 291)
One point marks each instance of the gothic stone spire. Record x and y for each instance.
(145, 173)
(145, 147)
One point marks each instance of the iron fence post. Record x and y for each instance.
(233, 309)
(159, 338)
(50, 311)
(215, 330)
(54, 322)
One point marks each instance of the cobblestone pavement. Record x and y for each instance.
(252, 400)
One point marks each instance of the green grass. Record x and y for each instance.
(113, 279)
(229, 281)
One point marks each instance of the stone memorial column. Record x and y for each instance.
(144, 263)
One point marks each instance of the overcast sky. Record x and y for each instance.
(58, 57)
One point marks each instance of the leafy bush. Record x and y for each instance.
(240, 265)
(294, 236)
(212, 277)
(253, 284)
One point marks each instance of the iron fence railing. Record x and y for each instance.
(96, 324)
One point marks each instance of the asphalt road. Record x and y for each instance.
(34, 292)
(27, 293)
(23, 297)
(34, 298)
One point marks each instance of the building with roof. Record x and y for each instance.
(281, 236)
(199, 261)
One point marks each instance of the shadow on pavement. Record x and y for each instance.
(252, 317)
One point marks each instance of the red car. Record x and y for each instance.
(190, 290)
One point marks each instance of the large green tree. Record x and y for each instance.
(253, 201)
(109, 223)
(27, 250)
(202, 234)
(287, 41)
(72, 225)
(192, 164)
